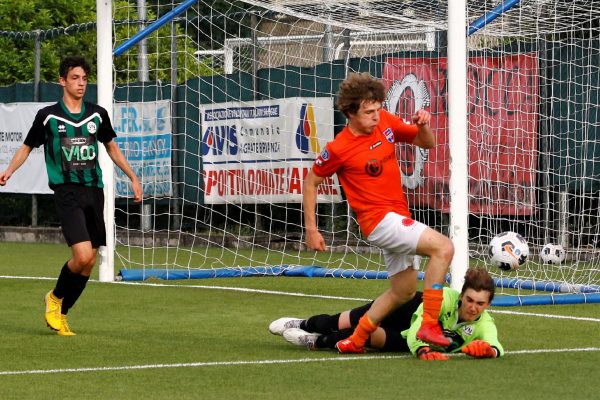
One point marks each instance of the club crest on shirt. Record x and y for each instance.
(389, 135)
(467, 330)
(325, 154)
(374, 167)
(91, 127)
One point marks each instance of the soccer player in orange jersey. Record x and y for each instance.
(363, 155)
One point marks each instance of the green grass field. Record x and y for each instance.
(208, 339)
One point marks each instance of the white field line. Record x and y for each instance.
(317, 296)
(265, 362)
(227, 288)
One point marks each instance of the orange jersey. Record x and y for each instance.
(368, 169)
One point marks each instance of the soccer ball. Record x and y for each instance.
(508, 251)
(553, 254)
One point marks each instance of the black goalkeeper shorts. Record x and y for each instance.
(393, 324)
(81, 213)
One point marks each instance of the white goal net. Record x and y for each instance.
(223, 109)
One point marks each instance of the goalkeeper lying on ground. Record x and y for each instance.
(463, 318)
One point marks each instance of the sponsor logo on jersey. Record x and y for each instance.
(306, 133)
(374, 167)
(61, 128)
(91, 127)
(78, 153)
(77, 141)
(389, 135)
(467, 330)
(375, 145)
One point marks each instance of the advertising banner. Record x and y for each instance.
(260, 152)
(144, 133)
(15, 121)
(502, 137)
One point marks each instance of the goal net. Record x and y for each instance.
(222, 110)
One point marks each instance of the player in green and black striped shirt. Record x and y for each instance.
(70, 131)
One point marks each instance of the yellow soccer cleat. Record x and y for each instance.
(53, 315)
(65, 330)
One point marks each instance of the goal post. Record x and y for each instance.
(240, 99)
(104, 20)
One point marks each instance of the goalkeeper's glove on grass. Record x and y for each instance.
(425, 353)
(480, 349)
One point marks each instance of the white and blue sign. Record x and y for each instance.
(144, 137)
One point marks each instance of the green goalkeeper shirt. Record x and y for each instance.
(71, 142)
(460, 333)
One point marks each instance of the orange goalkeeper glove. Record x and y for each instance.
(479, 349)
(425, 353)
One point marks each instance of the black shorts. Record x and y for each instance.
(393, 324)
(81, 213)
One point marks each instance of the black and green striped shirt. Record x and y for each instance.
(71, 142)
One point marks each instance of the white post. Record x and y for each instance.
(458, 140)
(105, 99)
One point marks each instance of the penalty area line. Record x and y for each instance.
(269, 362)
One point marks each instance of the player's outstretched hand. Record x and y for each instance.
(479, 349)
(314, 240)
(4, 177)
(426, 354)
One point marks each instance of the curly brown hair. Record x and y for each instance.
(357, 88)
(479, 279)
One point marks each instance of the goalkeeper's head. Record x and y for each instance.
(479, 279)
(476, 295)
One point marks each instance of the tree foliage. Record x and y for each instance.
(21, 19)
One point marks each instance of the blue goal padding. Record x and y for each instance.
(546, 299)
(281, 270)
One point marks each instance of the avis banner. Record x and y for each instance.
(260, 152)
(502, 137)
(15, 121)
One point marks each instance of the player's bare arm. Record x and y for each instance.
(120, 161)
(314, 239)
(17, 160)
(424, 138)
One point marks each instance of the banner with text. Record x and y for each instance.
(15, 121)
(502, 139)
(260, 152)
(144, 136)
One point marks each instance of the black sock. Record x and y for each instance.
(322, 323)
(78, 283)
(63, 282)
(329, 341)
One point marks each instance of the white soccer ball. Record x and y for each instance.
(508, 251)
(553, 254)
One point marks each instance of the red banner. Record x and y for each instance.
(502, 119)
